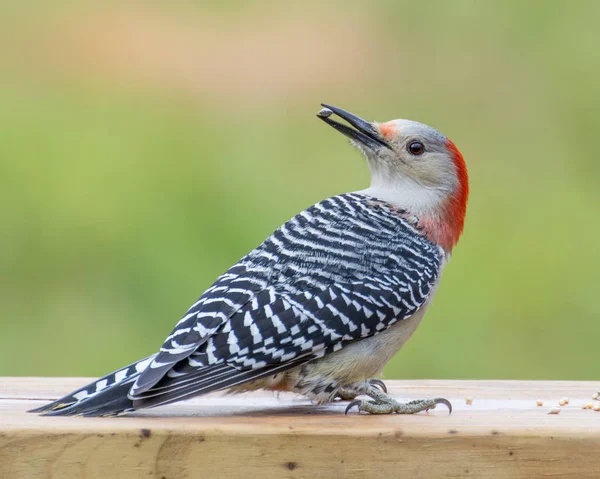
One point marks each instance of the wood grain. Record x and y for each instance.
(502, 434)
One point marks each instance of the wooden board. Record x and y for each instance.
(502, 434)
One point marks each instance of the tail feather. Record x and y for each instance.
(102, 388)
(111, 395)
(213, 378)
(110, 402)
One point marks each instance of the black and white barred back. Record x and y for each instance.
(340, 271)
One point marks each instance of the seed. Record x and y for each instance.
(554, 410)
(590, 405)
(584, 406)
(539, 402)
(597, 406)
(595, 396)
(469, 400)
(566, 400)
(561, 402)
(324, 113)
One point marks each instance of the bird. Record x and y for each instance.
(326, 300)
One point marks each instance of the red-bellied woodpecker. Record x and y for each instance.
(325, 301)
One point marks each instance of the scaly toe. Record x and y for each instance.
(346, 393)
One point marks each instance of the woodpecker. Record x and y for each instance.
(324, 302)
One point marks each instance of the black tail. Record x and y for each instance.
(109, 402)
(103, 397)
(110, 395)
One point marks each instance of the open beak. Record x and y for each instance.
(363, 131)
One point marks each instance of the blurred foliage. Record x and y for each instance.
(126, 187)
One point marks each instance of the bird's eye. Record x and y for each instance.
(416, 148)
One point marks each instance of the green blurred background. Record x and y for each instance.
(145, 148)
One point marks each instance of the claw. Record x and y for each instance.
(357, 403)
(445, 402)
(379, 384)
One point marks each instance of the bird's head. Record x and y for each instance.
(414, 167)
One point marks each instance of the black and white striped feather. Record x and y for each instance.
(345, 269)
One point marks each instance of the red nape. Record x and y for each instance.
(446, 228)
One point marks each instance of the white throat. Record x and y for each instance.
(407, 195)
(417, 188)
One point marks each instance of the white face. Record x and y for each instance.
(411, 164)
(416, 172)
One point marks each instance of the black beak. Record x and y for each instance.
(364, 133)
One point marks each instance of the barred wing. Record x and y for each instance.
(342, 270)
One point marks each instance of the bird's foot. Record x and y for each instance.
(383, 404)
(349, 393)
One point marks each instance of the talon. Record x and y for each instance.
(357, 403)
(379, 384)
(445, 402)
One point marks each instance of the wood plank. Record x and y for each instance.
(502, 434)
